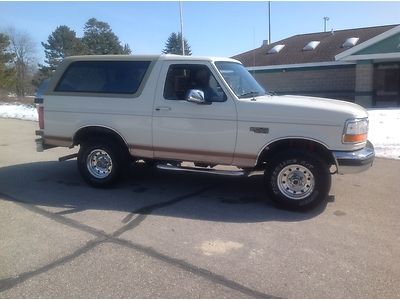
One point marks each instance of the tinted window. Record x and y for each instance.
(182, 78)
(114, 77)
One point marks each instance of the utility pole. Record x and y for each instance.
(326, 19)
(269, 22)
(182, 38)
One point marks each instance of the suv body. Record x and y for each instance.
(205, 110)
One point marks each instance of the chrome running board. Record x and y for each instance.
(201, 170)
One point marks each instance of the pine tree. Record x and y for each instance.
(61, 43)
(100, 39)
(7, 72)
(174, 45)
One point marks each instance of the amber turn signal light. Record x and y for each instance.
(355, 138)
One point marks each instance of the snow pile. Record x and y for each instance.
(384, 126)
(18, 111)
(384, 132)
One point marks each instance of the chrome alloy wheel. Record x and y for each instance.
(99, 163)
(296, 182)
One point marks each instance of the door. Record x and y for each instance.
(189, 131)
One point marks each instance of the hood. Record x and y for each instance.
(304, 110)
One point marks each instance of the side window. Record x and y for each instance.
(182, 78)
(113, 77)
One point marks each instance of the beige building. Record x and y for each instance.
(361, 65)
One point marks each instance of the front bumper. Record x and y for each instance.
(354, 161)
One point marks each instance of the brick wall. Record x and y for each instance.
(333, 82)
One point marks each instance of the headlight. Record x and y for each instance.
(355, 131)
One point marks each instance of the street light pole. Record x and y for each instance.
(326, 19)
(269, 22)
(182, 38)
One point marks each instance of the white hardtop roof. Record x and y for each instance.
(195, 58)
(166, 57)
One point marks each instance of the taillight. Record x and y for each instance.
(40, 110)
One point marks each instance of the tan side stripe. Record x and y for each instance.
(183, 151)
(57, 140)
(193, 152)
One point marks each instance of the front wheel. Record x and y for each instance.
(297, 180)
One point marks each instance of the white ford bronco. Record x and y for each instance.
(209, 111)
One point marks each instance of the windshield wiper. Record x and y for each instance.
(249, 94)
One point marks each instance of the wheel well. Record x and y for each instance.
(97, 132)
(312, 147)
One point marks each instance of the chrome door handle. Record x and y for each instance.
(163, 108)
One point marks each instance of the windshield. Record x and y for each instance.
(240, 80)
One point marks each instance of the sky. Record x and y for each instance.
(211, 28)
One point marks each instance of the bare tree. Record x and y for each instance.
(24, 50)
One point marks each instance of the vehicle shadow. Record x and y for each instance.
(59, 187)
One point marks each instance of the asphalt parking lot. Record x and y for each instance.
(164, 234)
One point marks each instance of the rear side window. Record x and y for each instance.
(112, 77)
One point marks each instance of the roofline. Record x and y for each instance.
(392, 55)
(167, 57)
(348, 29)
(321, 32)
(367, 43)
(170, 57)
(301, 65)
(111, 57)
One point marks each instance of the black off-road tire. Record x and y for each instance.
(110, 151)
(316, 181)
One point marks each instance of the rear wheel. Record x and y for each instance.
(297, 180)
(100, 163)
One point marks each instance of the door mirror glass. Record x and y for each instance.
(196, 96)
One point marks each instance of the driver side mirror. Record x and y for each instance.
(196, 96)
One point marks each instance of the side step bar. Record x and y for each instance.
(201, 170)
(66, 157)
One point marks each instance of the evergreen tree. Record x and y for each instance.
(174, 45)
(61, 43)
(100, 39)
(7, 72)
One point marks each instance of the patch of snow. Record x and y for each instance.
(384, 132)
(18, 111)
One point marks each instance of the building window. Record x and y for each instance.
(350, 42)
(311, 46)
(387, 84)
(392, 80)
(276, 49)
